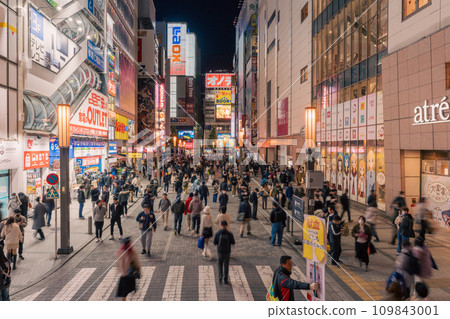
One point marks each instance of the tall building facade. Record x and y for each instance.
(81, 53)
(416, 87)
(349, 40)
(284, 89)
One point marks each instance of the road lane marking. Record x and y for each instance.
(72, 287)
(144, 282)
(239, 283)
(266, 274)
(206, 284)
(174, 283)
(33, 296)
(107, 285)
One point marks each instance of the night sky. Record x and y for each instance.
(211, 21)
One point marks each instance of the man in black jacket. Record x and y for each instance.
(223, 185)
(178, 209)
(345, 205)
(245, 209)
(405, 229)
(283, 285)
(254, 201)
(116, 211)
(223, 240)
(81, 199)
(223, 199)
(95, 195)
(278, 219)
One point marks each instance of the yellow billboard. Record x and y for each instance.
(121, 129)
(223, 97)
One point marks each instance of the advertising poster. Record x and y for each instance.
(223, 97)
(340, 173)
(50, 48)
(88, 164)
(362, 111)
(323, 118)
(10, 152)
(121, 128)
(354, 134)
(380, 132)
(340, 135)
(362, 195)
(283, 117)
(92, 117)
(346, 175)
(186, 135)
(334, 117)
(347, 113)
(354, 112)
(95, 55)
(323, 136)
(371, 109)
(314, 239)
(333, 178)
(371, 133)
(437, 189)
(223, 112)
(334, 136)
(328, 139)
(315, 272)
(88, 148)
(328, 112)
(298, 209)
(371, 170)
(340, 117)
(327, 169)
(380, 179)
(36, 152)
(362, 131)
(146, 104)
(354, 174)
(127, 86)
(380, 118)
(347, 134)
(225, 137)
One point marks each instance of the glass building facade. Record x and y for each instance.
(349, 41)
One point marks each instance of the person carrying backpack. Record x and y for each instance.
(223, 240)
(407, 265)
(204, 193)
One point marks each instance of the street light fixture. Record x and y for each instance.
(64, 145)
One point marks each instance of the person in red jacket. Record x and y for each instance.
(187, 212)
(284, 285)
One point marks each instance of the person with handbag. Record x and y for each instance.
(129, 268)
(5, 276)
(206, 230)
(13, 236)
(22, 222)
(147, 225)
(363, 235)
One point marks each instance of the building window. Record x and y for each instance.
(271, 46)
(412, 6)
(447, 74)
(305, 12)
(272, 17)
(304, 74)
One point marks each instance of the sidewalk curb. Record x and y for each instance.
(74, 254)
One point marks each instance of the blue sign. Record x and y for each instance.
(187, 135)
(37, 24)
(54, 148)
(95, 55)
(298, 209)
(112, 148)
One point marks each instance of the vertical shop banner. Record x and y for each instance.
(333, 177)
(95, 55)
(323, 136)
(328, 139)
(371, 170)
(36, 152)
(111, 74)
(354, 174)
(362, 175)
(340, 120)
(437, 190)
(50, 48)
(380, 118)
(283, 117)
(380, 179)
(334, 117)
(371, 109)
(146, 52)
(346, 173)
(190, 95)
(146, 104)
(92, 116)
(127, 85)
(328, 112)
(176, 38)
(121, 128)
(354, 112)
(362, 111)
(323, 119)
(347, 113)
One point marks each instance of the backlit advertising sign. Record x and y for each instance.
(187, 135)
(162, 97)
(223, 97)
(176, 33)
(92, 117)
(121, 127)
(223, 112)
(219, 80)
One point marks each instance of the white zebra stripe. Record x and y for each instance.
(33, 296)
(71, 288)
(106, 287)
(241, 288)
(206, 284)
(144, 282)
(266, 274)
(174, 283)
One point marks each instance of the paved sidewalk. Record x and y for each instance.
(39, 255)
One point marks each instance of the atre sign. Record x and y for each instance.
(431, 114)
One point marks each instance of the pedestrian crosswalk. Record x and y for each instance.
(176, 283)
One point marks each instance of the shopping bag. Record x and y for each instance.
(201, 242)
(270, 296)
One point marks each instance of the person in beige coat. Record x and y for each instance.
(13, 236)
(223, 216)
(129, 268)
(206, 230)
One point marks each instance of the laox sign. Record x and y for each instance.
(421, 113)
(176, 47)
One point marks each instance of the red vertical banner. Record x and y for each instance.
(283, 117)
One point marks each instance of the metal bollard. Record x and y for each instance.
(90, 225)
